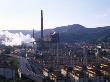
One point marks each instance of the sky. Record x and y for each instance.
(25, 14)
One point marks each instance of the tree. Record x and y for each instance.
(14, 63)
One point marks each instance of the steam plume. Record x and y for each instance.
(14, 39)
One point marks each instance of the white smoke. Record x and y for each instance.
(15, 39)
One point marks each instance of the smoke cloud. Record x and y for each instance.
(15, 39)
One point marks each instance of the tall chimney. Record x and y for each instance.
(33, 34)
(42, 25)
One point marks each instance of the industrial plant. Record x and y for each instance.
(47, 59)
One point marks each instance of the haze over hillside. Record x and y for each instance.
(75, 32)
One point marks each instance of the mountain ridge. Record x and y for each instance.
(76, 32)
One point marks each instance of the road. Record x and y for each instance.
(26, 69)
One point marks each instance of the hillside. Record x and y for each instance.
(75, 32)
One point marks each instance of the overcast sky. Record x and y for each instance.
(25, 14)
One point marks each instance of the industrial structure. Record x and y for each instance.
(42, 25)
(77, 62)
(71, 63)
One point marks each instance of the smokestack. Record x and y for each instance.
(33, 37)
(33, 34)
(41, 24)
